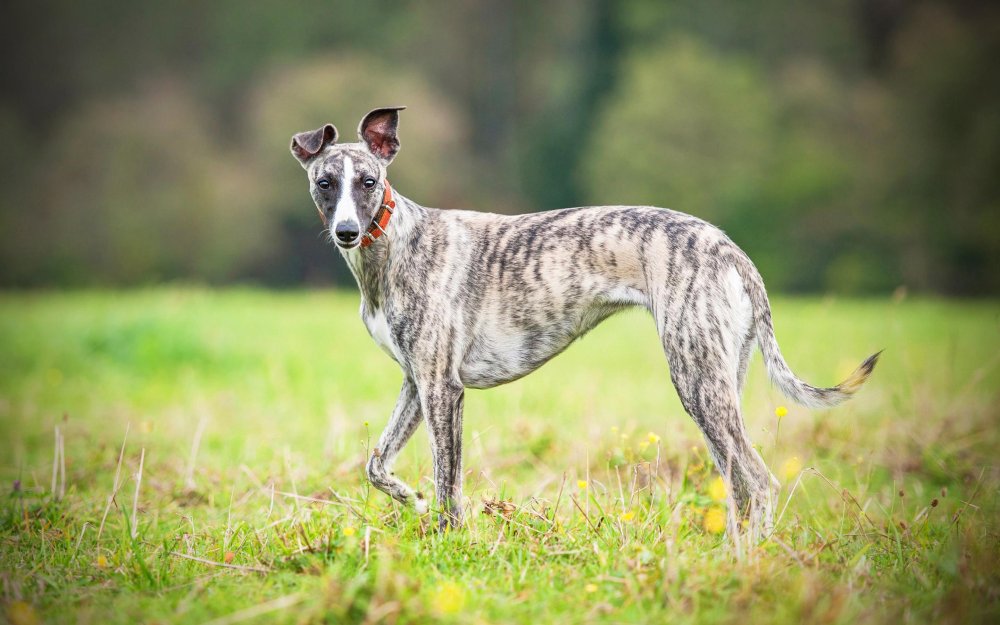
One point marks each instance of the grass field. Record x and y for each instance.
(245, 416)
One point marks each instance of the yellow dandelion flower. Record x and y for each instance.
(717, 489)
(715, 520)
(590, 588)
(652, 438)
(628, 515)
(448, 598)
(581, 484)
(643, 445)
(348, 531)
(21, 613)
(791, 468)
(780, 411)
(102, 562)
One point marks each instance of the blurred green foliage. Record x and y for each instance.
(851, 146)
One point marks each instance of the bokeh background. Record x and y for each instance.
(849, 146)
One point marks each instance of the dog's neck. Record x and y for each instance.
(369, 264)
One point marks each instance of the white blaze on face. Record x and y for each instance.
(347, 210)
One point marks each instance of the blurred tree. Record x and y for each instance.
(942, 177)
(687, 129)
(559, 118)
(530, 76)
(135, 191)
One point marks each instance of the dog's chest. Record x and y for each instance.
(378, 328)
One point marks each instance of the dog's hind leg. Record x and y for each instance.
(705, 338)
(402, 424)
(710, 397)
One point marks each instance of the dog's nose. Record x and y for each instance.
(346, 231)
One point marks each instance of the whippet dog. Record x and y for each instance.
(463, 299)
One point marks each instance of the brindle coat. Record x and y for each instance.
(467, 299)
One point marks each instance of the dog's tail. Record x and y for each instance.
(781, 375)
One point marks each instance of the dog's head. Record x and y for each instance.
(347, 181)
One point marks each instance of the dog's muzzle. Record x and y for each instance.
(346, 234)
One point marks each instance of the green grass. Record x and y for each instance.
(894, 516)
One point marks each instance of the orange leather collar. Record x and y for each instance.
(381, 218)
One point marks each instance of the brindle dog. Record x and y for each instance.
(468, 299)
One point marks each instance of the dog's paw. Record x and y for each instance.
(421, 506)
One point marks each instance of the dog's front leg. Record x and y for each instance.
(403, 423)
(442, 404)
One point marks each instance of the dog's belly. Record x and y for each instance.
(501, 353)
(504, 357)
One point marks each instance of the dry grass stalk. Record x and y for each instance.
(135, 499)
(115, 486)
(195, 445)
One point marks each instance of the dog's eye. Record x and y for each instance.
(369, 182)
(323, 184)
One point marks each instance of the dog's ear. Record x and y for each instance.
(378, 131)
(308, 144)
